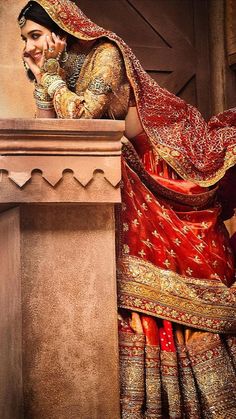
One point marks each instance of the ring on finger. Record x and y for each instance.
(50, 49)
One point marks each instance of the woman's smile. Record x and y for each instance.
(36, 56)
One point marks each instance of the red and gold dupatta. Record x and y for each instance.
(196, 150)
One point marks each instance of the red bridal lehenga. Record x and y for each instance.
(175, 264)
(176, 269)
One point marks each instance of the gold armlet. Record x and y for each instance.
(98, 86)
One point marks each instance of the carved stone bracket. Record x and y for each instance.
(20, 170)
(89, 150)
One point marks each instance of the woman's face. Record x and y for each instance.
(34, 36)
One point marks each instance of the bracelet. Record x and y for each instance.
(42, 98)
(57, 84)
(44, 105)
(52, 82)
(40, 93)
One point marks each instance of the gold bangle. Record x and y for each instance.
(40, 93)
(44, 105)
(51, 82)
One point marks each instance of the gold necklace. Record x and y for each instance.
(73, 62)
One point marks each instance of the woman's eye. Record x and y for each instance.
(35, 36)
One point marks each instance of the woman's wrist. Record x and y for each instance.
(51, 79)
(42, 98)
(45, 113)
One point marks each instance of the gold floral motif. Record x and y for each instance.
(142, 253)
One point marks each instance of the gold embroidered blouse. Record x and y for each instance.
(102, 89)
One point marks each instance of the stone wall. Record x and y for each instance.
(16, 99)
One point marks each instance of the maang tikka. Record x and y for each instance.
(22, 20)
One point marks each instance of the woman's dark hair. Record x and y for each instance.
(33, 11)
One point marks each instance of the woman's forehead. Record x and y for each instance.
(32, 26)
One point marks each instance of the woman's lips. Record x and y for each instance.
(36, 57)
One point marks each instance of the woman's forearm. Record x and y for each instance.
(45, 113)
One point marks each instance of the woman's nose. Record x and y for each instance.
(29, 46)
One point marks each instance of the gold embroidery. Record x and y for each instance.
(125, 227)
(199, 200)
(132, 375)
(126, 249)
(148, 198)
(177, 242)
(203, 304)
(153, 382)
(148, 243)
(214, 374)
(190, 396)
(99, 87)
(170, 383)
(142, 253)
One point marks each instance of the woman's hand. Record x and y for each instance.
(52, 48)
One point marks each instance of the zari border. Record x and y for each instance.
(204, 304)
(177, 162)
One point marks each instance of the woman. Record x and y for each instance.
(175, 266)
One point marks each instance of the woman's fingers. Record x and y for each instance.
(60, 43)
(32, 66)
(45, 46)
(54, 46)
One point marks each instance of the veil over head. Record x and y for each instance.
(198, 151)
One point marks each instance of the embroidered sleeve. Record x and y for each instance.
(106, 77)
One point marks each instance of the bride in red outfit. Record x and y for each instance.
(176, 270)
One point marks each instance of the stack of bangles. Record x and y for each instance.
(50, 82)
(42, 98)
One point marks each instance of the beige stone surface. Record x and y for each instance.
(57, 265)
(70, 359)
(16, 91)
(11, 401)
